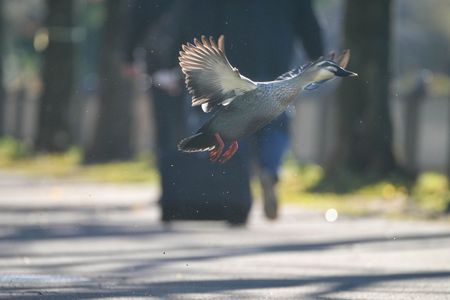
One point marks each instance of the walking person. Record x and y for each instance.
(192, 187)
(260, 37)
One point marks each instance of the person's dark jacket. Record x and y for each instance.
(154, 25)
(259, 34)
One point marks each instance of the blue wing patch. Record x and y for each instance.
(311, 86)
(314, 85)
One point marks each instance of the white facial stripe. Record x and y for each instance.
(332, 69)
(323, 74)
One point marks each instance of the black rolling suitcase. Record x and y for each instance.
(193, 188)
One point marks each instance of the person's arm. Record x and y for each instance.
(308, 29)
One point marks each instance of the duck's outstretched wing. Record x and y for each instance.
(210, 78)
(343, 58)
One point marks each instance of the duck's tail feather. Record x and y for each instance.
(199, 142)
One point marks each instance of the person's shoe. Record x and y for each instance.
(268, 182)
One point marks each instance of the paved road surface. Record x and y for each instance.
(83, 241)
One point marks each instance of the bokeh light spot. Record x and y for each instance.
(331, 215)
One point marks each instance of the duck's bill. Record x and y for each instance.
(345, 73)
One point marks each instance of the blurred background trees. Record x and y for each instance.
(58, 72)
(2, 91)
(364, 141)
(61, 73)
(112, 129)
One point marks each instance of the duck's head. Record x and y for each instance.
(325, 70)
(328, 69)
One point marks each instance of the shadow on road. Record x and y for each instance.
(128, 266)
(165, 289)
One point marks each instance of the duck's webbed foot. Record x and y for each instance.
(217, 151)
(230, 152)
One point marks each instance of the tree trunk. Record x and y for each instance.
(58, 76)
(2, 90)
(364, 143)
(413, 105)
(112, 138)
(448, 145)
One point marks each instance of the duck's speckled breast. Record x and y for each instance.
(249, 112)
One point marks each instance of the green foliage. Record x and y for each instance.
(345, 182)
(137, 171)
(15, 156)
(12, 150)
(302, 184)
(365, 195)
(432, 193)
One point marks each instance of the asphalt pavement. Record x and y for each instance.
(75, 240)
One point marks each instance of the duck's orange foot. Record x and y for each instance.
(217, 151)
(214, 155)
(230, 152)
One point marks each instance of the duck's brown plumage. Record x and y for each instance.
(242, 106)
